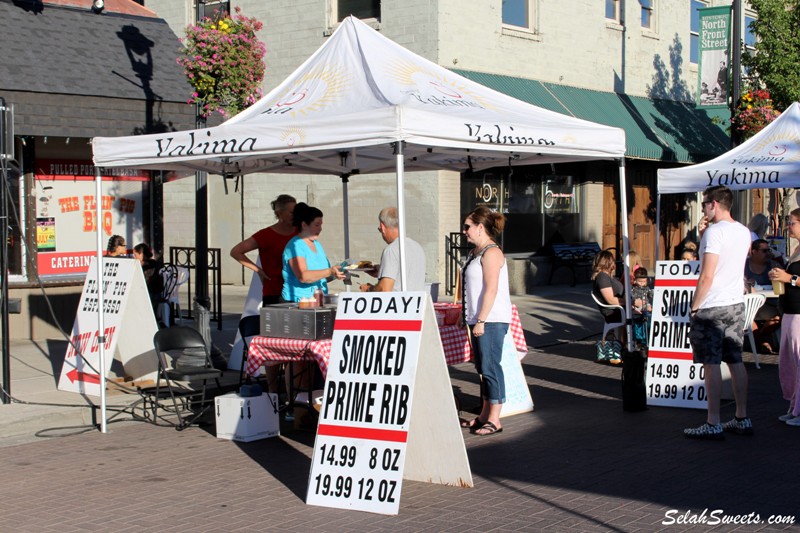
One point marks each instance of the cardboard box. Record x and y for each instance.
(247, 419)
(290, 322)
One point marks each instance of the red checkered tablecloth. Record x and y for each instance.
(266, 350)
(456, 342)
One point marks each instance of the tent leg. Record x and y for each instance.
(658, 225)
(346, 213)
(346, 208)
(101, 328)
(623, 205)
(401, 209)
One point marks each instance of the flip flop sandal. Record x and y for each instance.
(472, 426)
(490, 429)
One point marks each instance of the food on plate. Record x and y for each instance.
(361, 265)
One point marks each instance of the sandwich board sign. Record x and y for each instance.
(252, 304)
(129, 327)
(518, 395)
(672, 377)
(387, 410)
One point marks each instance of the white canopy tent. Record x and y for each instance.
(342, 109)
(768, 160)
(363, 104)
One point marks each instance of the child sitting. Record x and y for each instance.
(642, 300)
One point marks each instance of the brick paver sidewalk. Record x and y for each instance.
(578, 463)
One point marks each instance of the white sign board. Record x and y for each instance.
(129, 326)
(673, 379)
(252, 304)
(387, 408)
(518, 394)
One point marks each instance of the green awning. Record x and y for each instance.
(655, 129)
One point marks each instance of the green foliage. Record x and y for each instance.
(775, 64)
(224, 62)
(753, 112)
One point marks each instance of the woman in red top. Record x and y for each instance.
(270, 243)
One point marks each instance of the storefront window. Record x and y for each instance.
(538, 209)
(65, 213)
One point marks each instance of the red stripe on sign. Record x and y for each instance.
(660, 354)
(379, 325)
(389, 435)
(676, 282)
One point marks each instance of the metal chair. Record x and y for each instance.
(173, 299)
(248, 327)
(752, 303)
(169, 274)
(192, 365)
(608, 326)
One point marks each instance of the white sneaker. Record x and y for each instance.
(786, 417)
(794, 421)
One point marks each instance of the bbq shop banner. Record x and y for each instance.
(66, 215)
(673, 379)
(387, 411)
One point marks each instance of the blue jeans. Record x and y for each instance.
(487, 351)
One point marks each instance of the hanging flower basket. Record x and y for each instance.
(754, 111)
(224, 63)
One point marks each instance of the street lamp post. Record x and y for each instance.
(201, 299)
(736, 61)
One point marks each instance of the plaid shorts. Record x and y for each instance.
(717, 333)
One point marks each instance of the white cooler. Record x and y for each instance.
(247, 419)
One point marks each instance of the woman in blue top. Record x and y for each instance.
(305, 266)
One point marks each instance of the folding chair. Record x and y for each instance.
(188, 367)
(609, 326)
(173, 298)
(752, 303)
(169, 274)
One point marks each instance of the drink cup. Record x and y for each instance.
(777, 287)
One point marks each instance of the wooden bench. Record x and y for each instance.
(571, 255)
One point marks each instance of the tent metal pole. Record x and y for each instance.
(4, 225)
(101, 327)
(623, 206)
(401, 210)
(658, 224)
(346, 209)
(202, 301)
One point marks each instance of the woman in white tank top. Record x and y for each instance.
(487, 309)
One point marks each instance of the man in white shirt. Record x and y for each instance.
(717, 313)
(388, 273)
